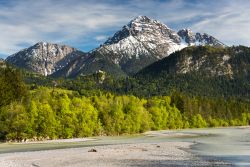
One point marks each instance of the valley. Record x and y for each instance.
(147, 96)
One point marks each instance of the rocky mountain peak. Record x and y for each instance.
(44, 58)
(144, 40)
(205, 39)
(187, 35)
(197, 39)
(140, 19)
(140, 42)
(142, 25)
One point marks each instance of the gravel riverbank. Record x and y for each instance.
(142, 154)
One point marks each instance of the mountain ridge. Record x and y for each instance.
(144, 41)
(138, 44)
(44, 58)
(202, 71)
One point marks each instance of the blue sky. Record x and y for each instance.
(85, 24)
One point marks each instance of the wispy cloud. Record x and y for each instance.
(85, 24)
(55, 21)
(101, 37)
(230, 23)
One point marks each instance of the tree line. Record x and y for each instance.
(48, 113)
(39, 112)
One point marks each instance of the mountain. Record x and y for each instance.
(191, 39)
(143, 41)
(89, 64)
(208, 61)
(139, 43)
(202, 70)
(44, 58)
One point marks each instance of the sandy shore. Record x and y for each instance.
(170, 133)
(57, 141)
(145, 154)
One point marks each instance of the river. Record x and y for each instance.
(228, 144)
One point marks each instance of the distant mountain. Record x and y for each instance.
(139, 43)
(191, 39)
(143, 41)
(44, 58)
(89, 64)
(203, 70)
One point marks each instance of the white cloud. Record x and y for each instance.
(231, 24)
(100, 37)
(33, 21)
(78, 22)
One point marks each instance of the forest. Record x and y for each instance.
(67, 109)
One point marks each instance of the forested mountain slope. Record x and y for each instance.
(202, 70)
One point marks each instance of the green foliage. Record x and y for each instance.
(198, 122)
(101, 105)
(164, 76)
(11, 85)
(159, 109)
(14, 121)
(56, 113)
(86, 118)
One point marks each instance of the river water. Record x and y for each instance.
(228, 144)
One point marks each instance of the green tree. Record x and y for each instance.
(198, 122)
(14, 122)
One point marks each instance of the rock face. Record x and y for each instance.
(191, 39)
(187, 36)
(204, 61)
(44, 58)
(89, 64)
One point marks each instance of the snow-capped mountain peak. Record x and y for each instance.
(141, 22)
(146, 40)
(142, 39)
(191, 39)
(187, 36)
(141, 25)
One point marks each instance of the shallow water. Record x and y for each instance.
(229, 144)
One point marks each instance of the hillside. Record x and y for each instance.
(44, 58)
(206, 71)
